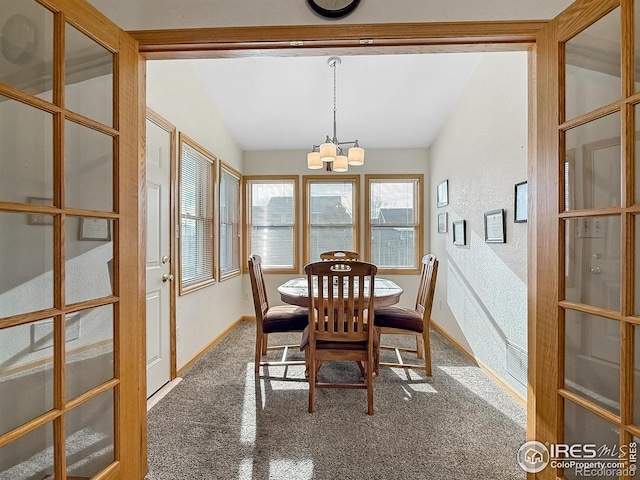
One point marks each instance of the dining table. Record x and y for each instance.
(296, 292)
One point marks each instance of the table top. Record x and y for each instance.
(294, 292)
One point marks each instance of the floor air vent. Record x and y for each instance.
(517, 362)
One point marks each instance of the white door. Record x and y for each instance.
(159, 148)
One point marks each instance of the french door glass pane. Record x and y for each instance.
(89, 436)
(582, 427)
(593, 66)
(26, 263)
(636, 296)
(26, 152)
(89, 255)
(592, 359)
(30, 457)
(89, 347)
(592, 261)
(26, 365)
(88, 77)
(88, 168)
(26, 51)
(637, 147)
(592, 172)
(636, 12)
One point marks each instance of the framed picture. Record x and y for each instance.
(520, 203)
(442, 222)
(459, 232)
(495, 230)
(95, 229)
(40, 218)
(442, 194)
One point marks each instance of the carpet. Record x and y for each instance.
(221, 422)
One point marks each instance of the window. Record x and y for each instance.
(272, 228)
(196, 215)
(331, 214)
(229, 222)
(394, 222)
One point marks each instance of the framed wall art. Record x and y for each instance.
(520, 203)
(494, 227)
(459, 228)
(442, 194)
(442, 222)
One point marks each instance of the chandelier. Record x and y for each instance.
(331, 152)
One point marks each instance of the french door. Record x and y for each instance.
(71, 284)
(585, 341)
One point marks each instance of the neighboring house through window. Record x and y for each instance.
(394, 222)
(197, 172)
(330, 214)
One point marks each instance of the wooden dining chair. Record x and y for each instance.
(339, 255)
(400, 320)
(272, 319)
(340, 322)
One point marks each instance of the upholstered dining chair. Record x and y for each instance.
(339, 255)
(272, 319)
(340, 322)
(400, 320)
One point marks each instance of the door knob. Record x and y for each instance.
(165, 259)
(167, 277)
(596, 270)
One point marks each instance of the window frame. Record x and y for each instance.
(247, 181)
(191, 287)
(223, 167)
(307, 181)
(418, 219)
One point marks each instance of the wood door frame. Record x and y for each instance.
(404, 38)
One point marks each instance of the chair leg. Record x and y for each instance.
(369, 369)
(427, 351)
(312, 379)
(419, 345)
(265, 341)
(376, 353)
(258, 351)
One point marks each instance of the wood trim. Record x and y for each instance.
(543, 341)
(306, 233)
(172, 131)
(488, 371)
(581, 15)
(246, 226)
(204, 350)
(419, 241)
(354, 38)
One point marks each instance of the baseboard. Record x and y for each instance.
(504, 385)
(210, 345)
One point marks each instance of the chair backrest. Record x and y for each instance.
(339, 255)
(427, 287)
(340, 314)
(258, 289)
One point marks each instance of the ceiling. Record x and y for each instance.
(383, 101)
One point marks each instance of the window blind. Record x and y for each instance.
(272, 207)
(331, 219)
(229, 222)
(393, 216)
(196, 216)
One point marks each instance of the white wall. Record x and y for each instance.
(175, 91)
(481, 293)
(376, 161)
(159, 14)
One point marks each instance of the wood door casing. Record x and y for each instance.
(126, 215)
